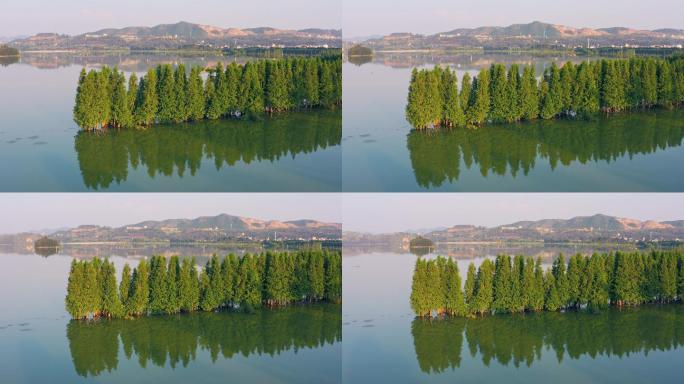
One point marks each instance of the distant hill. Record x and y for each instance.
(183, 34)
(532, 34)
(596, 228)
(217, 228)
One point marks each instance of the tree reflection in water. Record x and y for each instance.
(523, 339)
(176, 339)
(438, 155)
(104, 157)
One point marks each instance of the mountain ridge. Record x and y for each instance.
(593, 228)
(217, 228)
(528, 35)
(180, 34)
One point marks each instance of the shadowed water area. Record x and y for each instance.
(384, 341)
(43, 149)
(623, 152)
(294, 344)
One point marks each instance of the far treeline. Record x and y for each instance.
(160, 287)
(106, 99)
(520, 284)
(496, 95)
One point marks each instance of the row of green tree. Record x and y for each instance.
(105, 98)
(159, 286)
(524, 340)
(176, 340)
(520, 284)
(497, 95)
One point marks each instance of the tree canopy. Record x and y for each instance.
(497, 95)
(168, 94)
(519, 284)
(161, 286)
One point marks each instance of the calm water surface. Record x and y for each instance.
(628, 152)
(40, 344)
(383, 342)
(42, 149)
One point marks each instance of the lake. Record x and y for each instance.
(381, 152)
(42, 149)
(384, 342)
(296, 344)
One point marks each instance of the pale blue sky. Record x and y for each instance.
(38, 211)
(25, 17)
(380, 212)
(363, 17)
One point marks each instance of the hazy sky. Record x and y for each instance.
(26, 211)
(363, 17)
(27, 17)
(396, 212)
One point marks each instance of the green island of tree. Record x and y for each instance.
(359, 50)
(359, 55)
(6, 51)
(158, 286)
(497, 95)
(46, 246)
(520, 284)
(167, 94)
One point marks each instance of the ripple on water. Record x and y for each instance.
(40, 143)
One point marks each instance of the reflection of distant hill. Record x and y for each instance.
(438, 156)
(105, 158)
(127, 62)
(465, 61)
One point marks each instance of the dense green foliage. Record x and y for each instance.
(164, 287)
(438, 157)
(177, 340)
(497, 95)
(105, 98)
(519, 284)
(521, 341)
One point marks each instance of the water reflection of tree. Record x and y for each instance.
(437, 156)
(360, 60)
(8, 60)
(175, 340)
(104, 158)
(521, 340)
